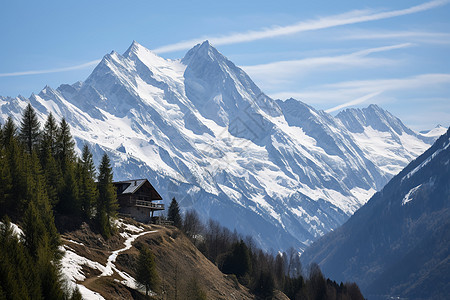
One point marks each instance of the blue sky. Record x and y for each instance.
(329, 54)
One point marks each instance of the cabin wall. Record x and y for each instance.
(140, 214)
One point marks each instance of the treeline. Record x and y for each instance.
(40, 177)
(42, 163)
(261, 272)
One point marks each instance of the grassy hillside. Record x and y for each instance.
(181, 267)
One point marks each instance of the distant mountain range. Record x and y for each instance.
(201, 131)
(398, 243)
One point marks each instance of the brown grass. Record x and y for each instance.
(179, 264)
(178, 261)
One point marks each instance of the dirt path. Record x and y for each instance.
(110, 268)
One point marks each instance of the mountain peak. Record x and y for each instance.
(375, 107)
(435, 132)
(204, 51)
(207, 46)
(206, 43)
(136, 48)
(46, 90)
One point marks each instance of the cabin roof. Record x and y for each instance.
(134, 185)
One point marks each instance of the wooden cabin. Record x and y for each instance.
(137, 199)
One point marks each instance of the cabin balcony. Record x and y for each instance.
(149, 204)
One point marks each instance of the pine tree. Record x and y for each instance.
(174, 213)
(264, 285)
(34, 232)
(17, 161)
(1, 136)
(30, 128)
(9, 132)
(88, 188)
(69, 201)
(5, 184)
(317, 284)
(50, 134)
(37, 194)
(238, 260)
(14, 267)
(49, 276)
(146, 273)
(69, 197)
(65, 146)
(41, 241)
(53, 177)
(107, 199)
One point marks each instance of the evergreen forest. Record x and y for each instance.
(42, 178)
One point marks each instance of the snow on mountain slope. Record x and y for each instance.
(203, 132)
(435, 132)
(383, 137)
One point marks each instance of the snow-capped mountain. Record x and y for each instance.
(383, 137)
(435, 132)
(398, 244)
(203, 132)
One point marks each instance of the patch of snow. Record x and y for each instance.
(362, 194)
(425, 162)
(16, 229)
(383, 148)
(128, 227)
(72, 265)
(409, 196)
(232, 193)
(87, 294)
(71, 268)
(75, 242)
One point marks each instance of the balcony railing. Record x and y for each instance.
(155, 206)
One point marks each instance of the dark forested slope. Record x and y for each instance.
(399, 242)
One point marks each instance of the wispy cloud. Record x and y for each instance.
(342, 91)
(275, 71)
(353, 102)
(55, 70)
(417, 36)
(393, 84)
(353, 17)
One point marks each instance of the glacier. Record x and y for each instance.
(203, 132)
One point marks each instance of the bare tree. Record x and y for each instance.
(193, 226)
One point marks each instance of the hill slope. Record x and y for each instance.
(398, 244)
(201, 131)
(106, 269)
